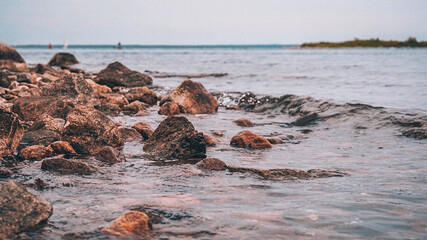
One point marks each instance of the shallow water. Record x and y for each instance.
(384, 195)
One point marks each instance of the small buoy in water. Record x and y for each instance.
(119, 46)
(50, 46)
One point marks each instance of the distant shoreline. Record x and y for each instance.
(137, 46)
(368, 43)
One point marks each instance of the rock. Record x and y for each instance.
(46, 122)
(31, 108)
(63, 147)
(176, 137)
(132, 223)
(211, 164)
(110, 155)
(20, 210)
(98, 88)
(144, 129)
(87, 129)
(135, 107)
(142, 94)
(67, 166)
(7, 78)
(39, 137)
(218, 134)
(5, 173)
(210, 141)
(35, 152)
(130, 134)
(418, 133)
(63, 59)
(42, 69)
(320, 173)
(282, 174)
(275, 140)
(11, 59)
(303, 121)
(116, 74)
(247, 139)
(243, 122)
(114, 98)
(192, 98)
(11, 132)
(169, 109)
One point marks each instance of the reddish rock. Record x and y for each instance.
(98, 88)
(210, 141)
(31, 108)
(116, 74)
(212, 164)
(46, 122)
(10, 79)
(144, 129)
(275, 140)
(11, 132)
(11, 59)
(36, 152)
(218, 134)
(142, 94)
(169, 109)
(86, 129)
(109, 155)
(114, 98)
(130, 134)
(135, 107)
(132, 223)
(67, 166)
(192, 98)
(63, 147)
(243, 122)
(247, 139)
(176, 137)
(63, 59)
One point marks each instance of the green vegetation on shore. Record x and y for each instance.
(370, 43)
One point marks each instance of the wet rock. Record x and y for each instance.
(247, 139)
(86, 129)
(46, 122)
(243, 122)
(210, 141)
(63, 147)
(154, 215)
(132, 223)
(218, 134)
(20, 210)
(275, 140)
(11, 59)
(63, 59)
(192, 98)
(8, 77)
(31, 108)
(211, 164)
(169, 109)
(176, 137)
(135, 108)
(320, 173)
(109, 155)
(11, 132)
(130, 134)
(418, 133)
(67, 166)
(144, 129)
(142, 94)
(35, 152)
(304, 121)
(287, 174)
(39, 137)
(5, 173)
(39, 184)
(116, 74)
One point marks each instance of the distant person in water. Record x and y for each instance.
(50, 46)
(119, 46)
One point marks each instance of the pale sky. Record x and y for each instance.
(208, 21)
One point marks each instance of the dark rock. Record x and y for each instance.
(36, 152)
(320, 173)
(192, 98)
(132, 223)
(87, 129)
(116, 74)
(39, 184)
(142, 94)
(418, 133)
(11, 132)
(282, 174)
(110, 155)
(42, 69)
(39, 137)
(144, 129)
(63, 147)
(212, 164)
(247, 139)
(5, 173)
(11, 59)
(176, 137)
(303, 121)
(67, 166)
(243, 122)
(169, 109)
(7, 77)
(31, 108)
(63, 59)
(130, 134)
(20, 210)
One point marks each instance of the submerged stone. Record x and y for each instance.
(132, 223)
(67, 166)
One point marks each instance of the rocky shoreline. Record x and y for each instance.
(62, 117)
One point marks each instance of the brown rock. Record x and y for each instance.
(114, 98)
(11, 59)
(31, 108)
(67, 166)
(275, 140)
(144, 129)
(63, 147)
(11, 132)
(247, 139)
(39, 137)
(283, 174)
(132, 223)
(20, 210)
(98, 88)
(218, 134)
(243, 122)
(46, 69)
(63, 59)
(212, 164)
(142, 94)
(130, 134)
(5, 173)
(192, 98)
(8, 78)
(169, 109)
(35, 152)
(176, 137)
(116, 74)
(135, 107)
(109, 155)
(46, 122)
(87, 129)
(210, 141)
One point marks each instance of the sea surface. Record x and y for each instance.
(383, 196)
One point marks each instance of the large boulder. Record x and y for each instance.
(11, 132)
(63, 59)
(87, 129)
(142, 94)
(31, 108)
(11, 59)
(247, 139)
(192, 98)
(20, 210)
(176, 137)
(117, 74)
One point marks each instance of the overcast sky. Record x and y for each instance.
(209, 21)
